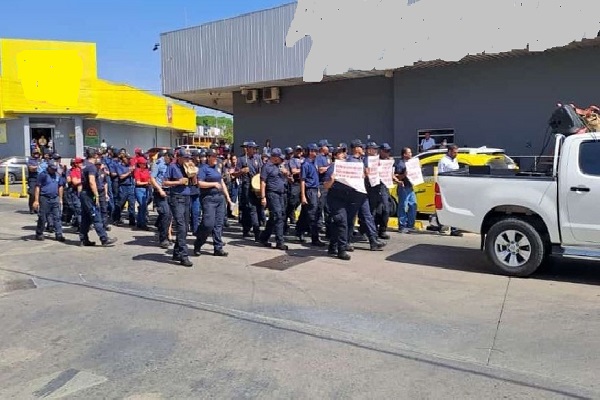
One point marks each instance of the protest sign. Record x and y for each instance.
(350, 174)
(414, 172)
(386, 172)
(373, 163)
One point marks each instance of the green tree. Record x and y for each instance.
(223, 123)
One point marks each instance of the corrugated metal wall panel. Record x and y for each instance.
(232, 52)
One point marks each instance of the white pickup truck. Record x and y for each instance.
(525, 217)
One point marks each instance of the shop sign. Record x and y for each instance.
(91, 137)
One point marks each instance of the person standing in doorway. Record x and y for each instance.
(407, 200)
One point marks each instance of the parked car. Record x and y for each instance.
(467, 157)
(187, 147)
(15, 166)
(525, 217)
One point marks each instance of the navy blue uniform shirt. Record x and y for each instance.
(254, 164)
(211, 175)
(123, 169)
(273, 178)
(88, 169)
(175, 173)
(49, 184)
(309, 174)
(33, 162)
(322, 161)
(400, 168)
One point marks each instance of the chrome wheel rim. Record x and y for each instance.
(512, 249)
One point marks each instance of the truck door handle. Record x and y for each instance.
(580, 189)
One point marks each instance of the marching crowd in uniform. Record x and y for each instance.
(195, 191)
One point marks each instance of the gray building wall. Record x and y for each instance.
(15, 141)
(64, 137)
(337, 111)
(130, 137)
(504, 103)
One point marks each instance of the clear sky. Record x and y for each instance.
(124, 31)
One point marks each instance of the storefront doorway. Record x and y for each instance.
(42, 137)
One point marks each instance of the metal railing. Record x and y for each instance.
(533, 163)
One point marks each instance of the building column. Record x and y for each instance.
(26, 136)
(78, 137)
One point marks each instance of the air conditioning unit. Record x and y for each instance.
(251, 96)
(271, 95)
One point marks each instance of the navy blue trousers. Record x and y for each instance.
(276, 222)
(180, 205)
(213, 217)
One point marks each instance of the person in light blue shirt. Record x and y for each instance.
(161, 203)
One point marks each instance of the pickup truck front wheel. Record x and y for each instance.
(514, 247)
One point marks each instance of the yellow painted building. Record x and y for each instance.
(50, 91)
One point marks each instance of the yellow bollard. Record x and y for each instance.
(5, 193)
(23, 183)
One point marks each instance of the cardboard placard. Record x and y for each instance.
(350, 174)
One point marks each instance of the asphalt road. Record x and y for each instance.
(422, 320)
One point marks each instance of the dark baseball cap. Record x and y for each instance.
(298, 147)
(52, 164)
(288, 150)
(342, 146)
(56, 156)
(211, 153)
(324, 143)
(276, 152)
(183, 153)
(356, 143)
(372, 145)
(385, 147)
(312, 146)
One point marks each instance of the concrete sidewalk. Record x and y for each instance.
(423, 319)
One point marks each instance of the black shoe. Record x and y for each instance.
(384, 236)
(456, 233)
(197, 252)
(87, 243)
(186, 262)
(61, 239)
(350, 248)
(318, 243)
(378, 244)
(107, 228)
(108, 242)
(281, 247)
(220, 253)
(343, 256)
(165, 244)
(176, 258)
(300, 238)
(246, 234)
(131, 223)
(265, 243)
(332, 251)
(39, 237)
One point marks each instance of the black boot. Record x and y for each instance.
(342, 255)
(186, 262)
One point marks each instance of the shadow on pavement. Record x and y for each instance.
(473, 260)
(162, 258)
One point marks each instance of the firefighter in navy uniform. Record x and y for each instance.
(161, 203)
(375, 195)
(214, 198)
(382, 214)
(364, 212)
(273, 178)
(179, 201)
(48, 199)
(293, 165)
(309, 196)
(90, 203)
(247, 167)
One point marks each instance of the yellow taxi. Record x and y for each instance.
(467, 157)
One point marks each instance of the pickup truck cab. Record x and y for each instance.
(524, 217)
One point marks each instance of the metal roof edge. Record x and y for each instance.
(229, 18)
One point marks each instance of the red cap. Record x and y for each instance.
(78, 160)
(138, 150)
(141, 160)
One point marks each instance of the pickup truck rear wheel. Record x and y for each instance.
(514, 247)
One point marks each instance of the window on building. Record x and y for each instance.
(440, 136)
(589, 158)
